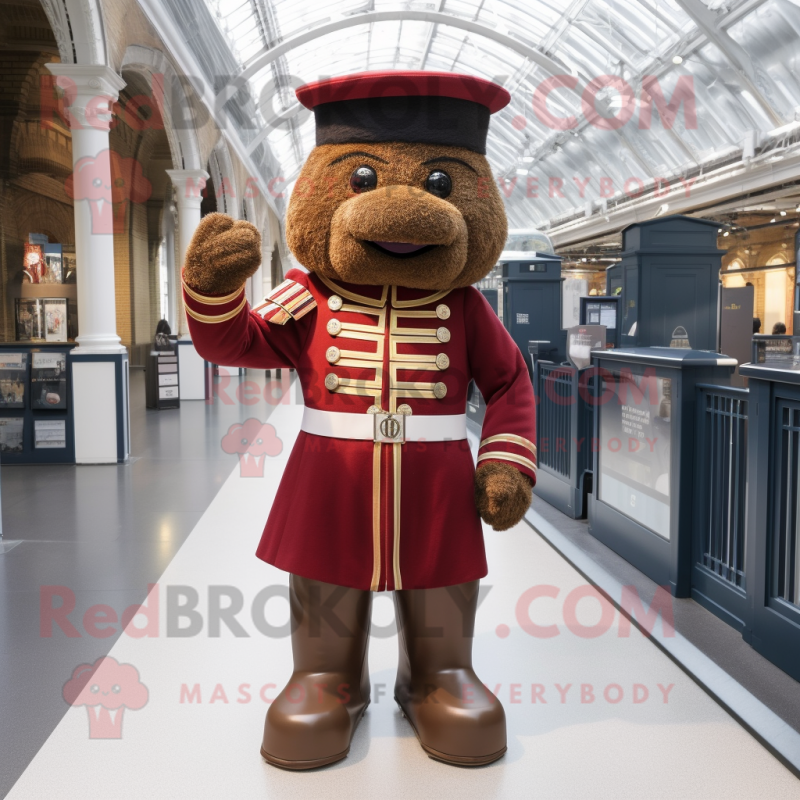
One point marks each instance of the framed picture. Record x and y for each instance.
(13, 379)
(11, 434)
(49, 433)
(55, 318)
(48, 380)
(53, 262)
(34, 266)
(29, 319)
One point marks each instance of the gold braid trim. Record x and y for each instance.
(211, 301)
(216, 318)
(500, 456)
(511, 438)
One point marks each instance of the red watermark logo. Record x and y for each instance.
(252, 440)
(106, 688)
(109, 183)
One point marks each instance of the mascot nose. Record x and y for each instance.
(403, 214)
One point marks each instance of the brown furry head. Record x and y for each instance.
(330, 228)
(502, 494)
(222, 255)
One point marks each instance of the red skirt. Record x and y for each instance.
(334, 518)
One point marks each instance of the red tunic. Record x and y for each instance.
(357, 513)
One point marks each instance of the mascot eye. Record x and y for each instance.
(116, 688)
(95, 688)
(363, 179)
(439, 183)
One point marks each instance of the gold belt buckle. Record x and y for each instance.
(388, 428)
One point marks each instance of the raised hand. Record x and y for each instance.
(222, 255)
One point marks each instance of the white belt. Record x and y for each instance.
(385, 427)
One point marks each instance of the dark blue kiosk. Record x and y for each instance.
(669, 276)
(644, 460)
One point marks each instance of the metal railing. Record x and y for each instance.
(556, 393)
(786, 547)
(722, 443)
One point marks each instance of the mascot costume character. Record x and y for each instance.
(394, 216)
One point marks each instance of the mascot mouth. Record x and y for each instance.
(401, 249)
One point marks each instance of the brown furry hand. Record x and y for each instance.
(502, 494)
(222, 255)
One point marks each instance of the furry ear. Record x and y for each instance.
(502, 494)
(222, 255)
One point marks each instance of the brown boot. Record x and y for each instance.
(456, 719)
(312, 721)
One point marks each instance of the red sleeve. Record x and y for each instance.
(498, 368)
(226, 331)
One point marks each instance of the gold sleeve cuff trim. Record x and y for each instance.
(511, 438)
(499, 456)
(211, 301)
(216, 318)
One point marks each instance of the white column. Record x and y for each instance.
(91, 90)
(188, 184)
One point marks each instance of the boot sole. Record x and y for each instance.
(446, 758)
(316, 762)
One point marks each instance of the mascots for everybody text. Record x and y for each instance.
(395, 215)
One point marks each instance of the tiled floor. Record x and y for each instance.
(104, 533)
(199, 733)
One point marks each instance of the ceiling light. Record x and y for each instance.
(783, 213)
(527, 159)
(583, 259)
(727, 233)
(522, 172)
(677, 59)
(798, 209)
(773, 219)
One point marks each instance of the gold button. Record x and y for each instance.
(439, 390)
(405, 410)
(333, 354)
(443, 335)
(335, 303)
(331, 381)
(442, 361)
(334, 327)
(442, 311)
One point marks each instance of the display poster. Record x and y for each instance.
(635, 447)
(33, 265)
(55, 316)
(49, 380)
(572, 290)
(780, 350)
(581, 340)
(69, 264)
(30, 319)
(11, 434)
(13, 379)
(49, 433)
(53, 263)
(602, 313)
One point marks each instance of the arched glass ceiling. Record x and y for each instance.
(735, 60)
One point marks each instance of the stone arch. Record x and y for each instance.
(158, 70)
(79, 30)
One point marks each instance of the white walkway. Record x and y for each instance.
(674, 743)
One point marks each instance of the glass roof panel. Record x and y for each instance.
(744, 76)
